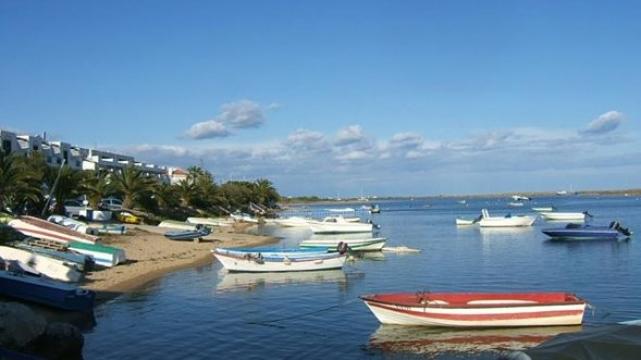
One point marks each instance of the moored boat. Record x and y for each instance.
(564, 216)
(43, 229)
(18, 285)
(461, 221)
(367, 244)
(272, 252)
(505, 221)
(477, 309)
(102, 255)
(588, 232)
(293, 221)
(48, 266)
(544, 209)
(338, 225)
(248, 263)
(515, 204)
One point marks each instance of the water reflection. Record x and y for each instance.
(252, 281)
(489, 233)
(439, 341)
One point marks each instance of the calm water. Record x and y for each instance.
(206, 313)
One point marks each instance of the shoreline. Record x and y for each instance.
(151, 256)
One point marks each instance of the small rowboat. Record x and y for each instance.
(477, 309)
(369, 244)
(18, 285)
(45, 265)
(43, 229)
(565, 216)
(179, 225)
(101, 254)
(588, 232)
(272, 252)
(200, 232)
(505, 221)
(339, 225)
(250, 263)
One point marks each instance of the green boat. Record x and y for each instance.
(102, 255)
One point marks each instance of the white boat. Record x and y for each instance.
(338, 225)
(281, 264)
(242, 217)
(564, 216)
(562, 192)
(101, 254)
(210, 221)
(461, 221)
(50, 267)
(43, 229)
(293, 221)
(544, 209)
(505, 221)
(72, 224)
(369, 244)
(520, 198)
(172, 224)
(341, 210)
(477, 310)
(515, 204)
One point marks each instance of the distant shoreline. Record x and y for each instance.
(622, 193)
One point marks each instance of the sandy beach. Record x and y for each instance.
(150, 255)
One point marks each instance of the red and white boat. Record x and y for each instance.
(43, 229)
(477, 309)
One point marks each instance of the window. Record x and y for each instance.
(6, 146)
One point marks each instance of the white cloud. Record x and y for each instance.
(207, 129)
(349, 135)
(605, 123)
(354, 155)
(406, 140)
(241, 114)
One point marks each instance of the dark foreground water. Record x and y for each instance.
(205, 313)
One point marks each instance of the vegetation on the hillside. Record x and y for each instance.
(25, 183)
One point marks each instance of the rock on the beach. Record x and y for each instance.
(60, 341)
(19, 325)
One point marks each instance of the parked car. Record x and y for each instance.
(112, 204)
(73, 207)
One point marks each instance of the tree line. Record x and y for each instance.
(26, 183)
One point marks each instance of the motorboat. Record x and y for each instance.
(564, 216)
(477, 310)
(544, 209)
(293, 221)
(520, 198)
(338, 225)
(515, 204)
(505, 221)
(461, 221)
(249, 263)
(273, 252)
(573, 231)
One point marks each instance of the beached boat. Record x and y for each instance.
(338, 225)
(505, 221)
(544, 209)
(48, 266)
(18, 285)
(72, 224)
(564, 216)
(242, 217)
(102, 255)
(250, 263)
(112, 229)
(81, 262)
(172, 224)
(128, 218)
(199, 233)
(588, 232)
(477, 309)
(210, 221)
(368, 244)
(43, 229)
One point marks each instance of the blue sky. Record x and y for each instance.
(378, 97)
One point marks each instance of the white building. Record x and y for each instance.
(55, 152)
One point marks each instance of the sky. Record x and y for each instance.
(338, 98)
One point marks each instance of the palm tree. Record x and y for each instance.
(187, 192)
(133, 185)
(96, 185)
(67, 186)
(19, 184)
(265, 192)
(167, 196)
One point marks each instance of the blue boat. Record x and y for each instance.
(17, 284)
(200, 232)
(588, 232)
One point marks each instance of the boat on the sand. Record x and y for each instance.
(43, 229)
(48, 266)
(198, 233)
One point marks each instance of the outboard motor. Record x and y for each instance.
(342, 247)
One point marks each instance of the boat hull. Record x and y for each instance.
(102, 255)
(50, 267)
(42, 229)
(244, 264)
(464, 222)
(507, 221)
(272, 252)
(374, 244)
(583, 233)
(43, 291)
(559, 216)
(509, 312)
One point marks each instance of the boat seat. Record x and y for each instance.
(500, 302)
